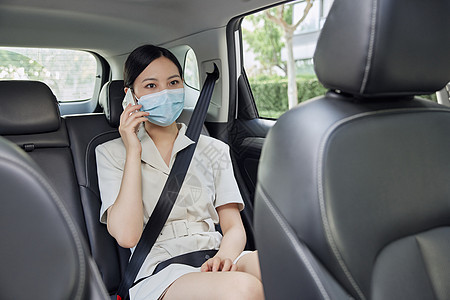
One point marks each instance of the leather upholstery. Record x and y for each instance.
(353, 197)
(43, 255)
(86, 133)
(27, 107)
(64, 154)
(37, 128)
(384, 47)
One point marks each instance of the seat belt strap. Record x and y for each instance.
(171, 188)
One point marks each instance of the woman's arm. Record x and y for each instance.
(233, 241)
(126, 217)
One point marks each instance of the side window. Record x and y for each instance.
(278, 47)
(191, 79)
(70, 74)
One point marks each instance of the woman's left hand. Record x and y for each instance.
(217, 264)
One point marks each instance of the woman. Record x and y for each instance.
(132, 171)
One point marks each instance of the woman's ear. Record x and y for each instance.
(125, 89)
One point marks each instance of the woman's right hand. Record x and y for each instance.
(130, 119)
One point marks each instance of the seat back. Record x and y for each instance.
(29, 117)
(43, 254)
(352, 187)
(86, 132)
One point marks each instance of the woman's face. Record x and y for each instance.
(159, 75)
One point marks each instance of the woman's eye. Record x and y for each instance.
(174, 82)
(151, 85)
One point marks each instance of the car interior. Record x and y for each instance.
(346, 195)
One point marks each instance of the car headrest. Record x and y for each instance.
(387, 48)
(110, 99)
(27, 107)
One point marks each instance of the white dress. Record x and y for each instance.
(209, 183)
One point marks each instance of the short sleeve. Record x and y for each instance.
(226, 187)
(109, 172)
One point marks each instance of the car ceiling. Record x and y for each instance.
(113, 27)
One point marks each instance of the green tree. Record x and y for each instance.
(283, 18)
(69, 74)
(16, 65)
(265, 40)
(274, 30)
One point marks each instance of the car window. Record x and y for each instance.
(278, 47)
(191, 77)
(70, 74)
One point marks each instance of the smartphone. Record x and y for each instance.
(128, 99)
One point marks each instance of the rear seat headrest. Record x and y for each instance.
(110, 99)
(27, 107)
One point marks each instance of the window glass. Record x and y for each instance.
(311, 21)
(270, 54)
(70, 74)
(191, 76)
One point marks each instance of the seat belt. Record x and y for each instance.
(171, 188)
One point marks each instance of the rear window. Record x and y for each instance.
(70, 74)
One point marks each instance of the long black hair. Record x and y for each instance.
(141, 57)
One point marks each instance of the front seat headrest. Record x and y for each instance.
(388, 48)
(27, 107)
(110, 99)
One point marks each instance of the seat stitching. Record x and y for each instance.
(323, 215)
(373, 22)
(288, 231)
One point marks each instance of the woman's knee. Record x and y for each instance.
(249, 263)
(246, 286)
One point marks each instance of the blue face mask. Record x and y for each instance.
(164, 107)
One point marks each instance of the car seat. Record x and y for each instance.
(30, 118)
(43, 255)
(353, 195)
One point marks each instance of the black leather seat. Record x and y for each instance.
(86, 132)
(43, 255)
(353, 196)
(29, 117)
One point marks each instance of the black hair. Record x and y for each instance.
(141, 57)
